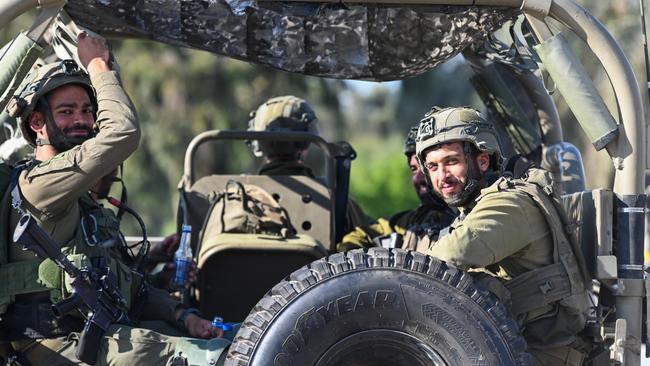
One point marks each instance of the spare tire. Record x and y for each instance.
(380, 307)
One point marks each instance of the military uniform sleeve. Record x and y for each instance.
(355, 216)
(362, 237)
(160, 305)
(52, 186)
(500, 225)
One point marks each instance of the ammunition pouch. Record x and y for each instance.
(537, 288)
(19, 278)
(33, 320)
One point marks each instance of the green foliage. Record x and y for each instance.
(381, 179)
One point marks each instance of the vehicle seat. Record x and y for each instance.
(236, 270)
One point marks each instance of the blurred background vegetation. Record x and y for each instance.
(180, 93)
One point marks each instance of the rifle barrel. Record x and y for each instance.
(31, 236)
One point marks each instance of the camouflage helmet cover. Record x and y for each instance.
(409, 142)
(38, 83)
(285, 113)
(459, 124)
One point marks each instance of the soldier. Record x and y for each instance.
(289, 113)
(57, 110)
(405, 229)
(509, 227)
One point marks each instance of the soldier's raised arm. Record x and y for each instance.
(81, 126)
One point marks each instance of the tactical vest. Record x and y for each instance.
(20, 277)
(94, 243)
(423, 226)
(565, 280)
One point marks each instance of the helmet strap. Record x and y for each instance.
(42, 142)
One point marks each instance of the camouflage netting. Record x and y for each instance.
(352, 42)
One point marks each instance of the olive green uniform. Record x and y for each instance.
(355, 217)
(503, 232)
(412, 225)
(55, 192)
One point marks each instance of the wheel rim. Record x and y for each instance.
(381, 347)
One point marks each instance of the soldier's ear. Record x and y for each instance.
(483, 162)
(37, 121)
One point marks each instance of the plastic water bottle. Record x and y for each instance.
(217, 322)
(183, 257)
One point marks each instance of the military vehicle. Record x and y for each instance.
(381, 306)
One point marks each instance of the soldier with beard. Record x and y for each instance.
(510, 228)
(405, 229)
(82, 127)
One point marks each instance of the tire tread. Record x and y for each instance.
(306, 277)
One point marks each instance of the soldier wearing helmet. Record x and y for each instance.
(82, 127)
(291, 114)
(510, 229)
(405, 229)
(286, 113)
(33, 108)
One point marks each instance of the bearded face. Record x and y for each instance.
(451, 169)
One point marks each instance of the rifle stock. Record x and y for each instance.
(94, 293)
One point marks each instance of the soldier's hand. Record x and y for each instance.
(169, 270)
(201, 328)
(93, 53)
(168, 245)
(163, 251)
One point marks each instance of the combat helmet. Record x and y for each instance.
(458, 124)
(286, 113)
(38, 83)
(409, 142)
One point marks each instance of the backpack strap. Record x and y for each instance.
(567, 276)
(546, 199)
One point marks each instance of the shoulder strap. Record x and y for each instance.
(568, 275)
(557, 220)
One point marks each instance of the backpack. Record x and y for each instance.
(245, 209)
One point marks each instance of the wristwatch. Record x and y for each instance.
(185, 313)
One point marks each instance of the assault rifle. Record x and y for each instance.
(94, 293)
